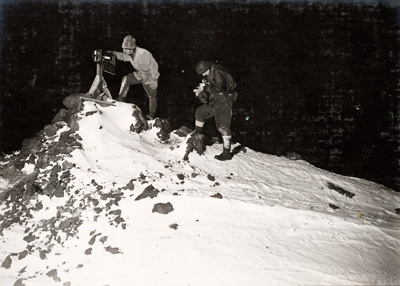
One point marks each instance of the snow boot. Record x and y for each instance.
(226, 154)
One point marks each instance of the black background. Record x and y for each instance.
(319, 79)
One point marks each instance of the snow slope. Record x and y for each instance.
(135, 213)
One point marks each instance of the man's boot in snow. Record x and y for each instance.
(226, 154)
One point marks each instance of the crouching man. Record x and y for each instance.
(217, 98)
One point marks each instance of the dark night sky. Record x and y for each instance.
(315, 77)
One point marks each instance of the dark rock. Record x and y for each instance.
(210, 177)
(174, 226)
(141, 122)
(165, 128)
(53, 274)
(194, 142)
(340, 190)
(113, 250)
(7, 262)
(333, 207)
(163, 208)
(73, 102)
(293, 156)
(19, 282)
(183, 131)
(149, 192)
(62, 115)
(31, 146)
(217, 196)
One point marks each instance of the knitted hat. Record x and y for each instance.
(129, 42)
(202, 66)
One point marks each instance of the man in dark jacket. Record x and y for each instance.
(218, 101)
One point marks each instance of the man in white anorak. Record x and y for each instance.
(146, 72)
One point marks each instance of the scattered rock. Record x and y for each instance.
(141, 122)
(30, 237)
(19, 282)
(293, 156)
(181, 176)
(88, 251)
(53, 274)
(397, 210)
(217, 196)
(210, 177)
(93, 239)
(22, 254)
(73, 102)
(340, 190)
(113, 250)
(149, 192)
(165, 128)
(43, 254)
(183, 131)
(194, 142)
(7, 262)
(333, 206)
(163, 208)
(129, 186)
(174, 226)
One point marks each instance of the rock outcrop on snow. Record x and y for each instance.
(32, 170)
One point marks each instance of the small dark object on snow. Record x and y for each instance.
(165, 128)
(237, 149)
(397, 210)
(195, 142)
(210, 177)
(174, 226)
(163, 208)
(181, 176)
(340, 190)
(7, 262)
(149, 192)
(333, 206)
(113, 250)
(141, 122)
(293, 156)
(183, 131)
(217, 196)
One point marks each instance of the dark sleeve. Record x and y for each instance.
(218, 82)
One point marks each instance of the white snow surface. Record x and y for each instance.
(257, 219)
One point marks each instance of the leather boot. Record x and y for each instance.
(225, 155)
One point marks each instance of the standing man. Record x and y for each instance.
(146, 72)
(218, 101)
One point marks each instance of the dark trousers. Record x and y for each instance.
(220, 107)
(129, 80)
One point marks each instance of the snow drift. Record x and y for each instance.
(101, 197)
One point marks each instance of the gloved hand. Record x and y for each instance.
(153, 85)
(203, 97)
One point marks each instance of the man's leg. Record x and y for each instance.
(152, 95)
(202, 114)
(223, 118)
(127, 81)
